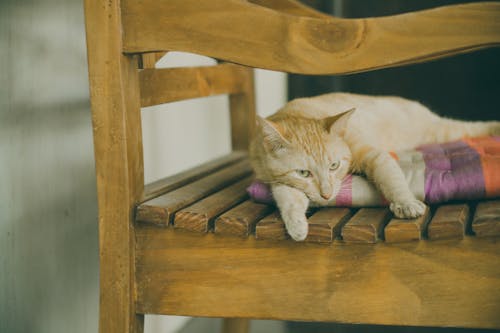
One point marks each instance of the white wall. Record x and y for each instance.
(183, 134)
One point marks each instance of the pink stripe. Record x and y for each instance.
(344, 197)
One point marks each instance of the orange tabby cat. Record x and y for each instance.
(305, 149)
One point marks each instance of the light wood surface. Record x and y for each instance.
(170, 183)
(366, 226)
(164, 85)
(486, 222)
(201, 215)
(449, 221)
(160, 210)
(440, 283)
(114, 95)
(256, 36)
(405, 230)
(241, 220)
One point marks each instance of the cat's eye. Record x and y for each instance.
(304, 173)
(334, 166)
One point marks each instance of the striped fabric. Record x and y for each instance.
(467, 169)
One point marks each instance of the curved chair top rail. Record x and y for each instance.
(287, 36)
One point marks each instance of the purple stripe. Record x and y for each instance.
(452, 171)
(344, 197)
(260, 192)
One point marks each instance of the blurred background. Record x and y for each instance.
(48, 205)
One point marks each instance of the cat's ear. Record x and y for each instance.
(271, 132)
(339, 120)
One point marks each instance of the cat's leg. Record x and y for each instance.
(292, 204)
(387, 175)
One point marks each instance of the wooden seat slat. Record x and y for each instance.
(325, 224)
(200, 215)
(173, 182)
(241, 220)
(486, 220)
(366, 226)
(406, 230)
(164, 85)
(271, 227)
(449, 222)
(160, 210)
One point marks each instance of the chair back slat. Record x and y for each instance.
(164, 85)
(245, 33)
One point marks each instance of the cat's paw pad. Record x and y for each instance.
(297, 227)
(408, 209)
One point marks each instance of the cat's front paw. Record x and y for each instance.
(408, 209)
(296, 226)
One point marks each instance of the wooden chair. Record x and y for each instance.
(148, 266)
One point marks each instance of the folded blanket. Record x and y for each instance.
(467, 169)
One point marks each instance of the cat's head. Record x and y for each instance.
(307, 154)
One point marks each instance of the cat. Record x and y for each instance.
(306, 148)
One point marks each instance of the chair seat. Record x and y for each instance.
(216, 201)
(204, 249)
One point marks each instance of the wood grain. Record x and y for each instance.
(366, 226)
(164, 85)
(256, 36)
(449, 221)
(434, 284)
(325, 225)
(241, 220)
(170, 183)
(119, 165)
(486, 220)
(406, 230)
(160, 210)
(201, 215)
(149, 60)
(271, 227)
(242, 111)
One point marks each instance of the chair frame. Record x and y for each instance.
(121, 36)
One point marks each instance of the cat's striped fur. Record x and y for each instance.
(307, 148)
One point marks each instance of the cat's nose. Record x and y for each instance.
(325, 190)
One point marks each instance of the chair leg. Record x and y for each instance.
(235, 325)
